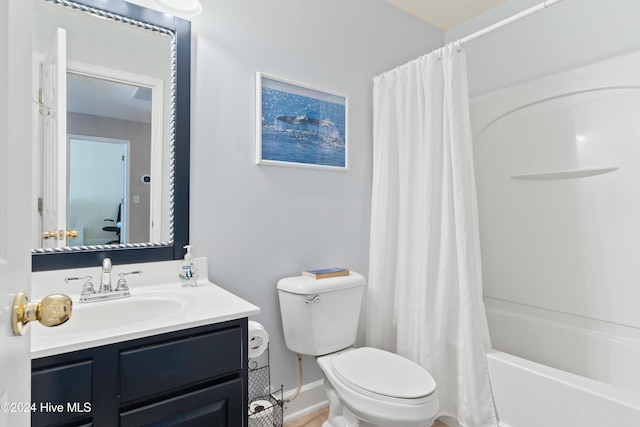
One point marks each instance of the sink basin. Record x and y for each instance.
(104, 317)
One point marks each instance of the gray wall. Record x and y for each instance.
(258, 223)
(564, 36)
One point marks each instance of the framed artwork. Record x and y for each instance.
(299, 125)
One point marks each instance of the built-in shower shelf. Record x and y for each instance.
(580, 173)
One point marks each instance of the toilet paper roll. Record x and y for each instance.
(259, 411)
(258, 339)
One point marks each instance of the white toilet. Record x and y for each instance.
(365, 386)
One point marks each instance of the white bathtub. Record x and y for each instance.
(528, 394)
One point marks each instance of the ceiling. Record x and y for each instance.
(105, 98)
(446, 14)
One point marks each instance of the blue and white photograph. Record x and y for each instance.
(300, 125)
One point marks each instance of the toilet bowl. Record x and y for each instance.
(378, 388)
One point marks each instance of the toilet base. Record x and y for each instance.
(340, 416)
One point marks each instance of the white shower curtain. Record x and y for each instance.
(425, 279)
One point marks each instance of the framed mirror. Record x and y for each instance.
(111, 92)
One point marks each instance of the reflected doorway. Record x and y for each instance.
(97, 190)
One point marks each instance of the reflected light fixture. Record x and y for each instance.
(181, 7)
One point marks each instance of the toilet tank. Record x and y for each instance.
(320, 316)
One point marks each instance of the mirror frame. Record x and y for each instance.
(57, 259)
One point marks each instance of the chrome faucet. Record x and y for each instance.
(105, 280)
(106, 291)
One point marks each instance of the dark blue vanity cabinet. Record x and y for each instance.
(188, 378)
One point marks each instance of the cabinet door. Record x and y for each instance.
(61, 394)
(216, 406)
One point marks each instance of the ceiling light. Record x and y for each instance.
(181, 7)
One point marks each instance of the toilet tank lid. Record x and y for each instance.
(308, 285)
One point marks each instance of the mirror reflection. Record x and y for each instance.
(104, 130)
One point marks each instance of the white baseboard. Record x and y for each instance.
(311, 398)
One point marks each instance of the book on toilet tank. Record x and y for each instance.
(326, 273)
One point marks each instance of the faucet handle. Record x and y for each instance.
(87, 288)
(122, 282)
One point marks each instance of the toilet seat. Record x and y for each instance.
(384, 376)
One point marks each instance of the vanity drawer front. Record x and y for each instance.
(60, 394)
(216, 406)
(158, 368)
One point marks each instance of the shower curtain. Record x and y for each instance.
(425, 283)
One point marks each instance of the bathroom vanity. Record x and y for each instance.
(166, 355)
(195, 374)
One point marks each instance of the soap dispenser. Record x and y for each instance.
(188, 270)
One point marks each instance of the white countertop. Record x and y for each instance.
(156, 294)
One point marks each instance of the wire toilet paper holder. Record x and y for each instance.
(265, 404)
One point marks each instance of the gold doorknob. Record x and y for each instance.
(53, 310)
(59, 234)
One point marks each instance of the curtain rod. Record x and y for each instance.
(504, 22)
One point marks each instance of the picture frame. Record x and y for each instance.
(300, 125)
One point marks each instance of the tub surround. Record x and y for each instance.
(559, 248)
(192, 307)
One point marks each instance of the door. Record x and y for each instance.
(98, 177)
(53, 134)
(15, 190)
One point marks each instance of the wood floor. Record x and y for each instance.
(315, 419)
